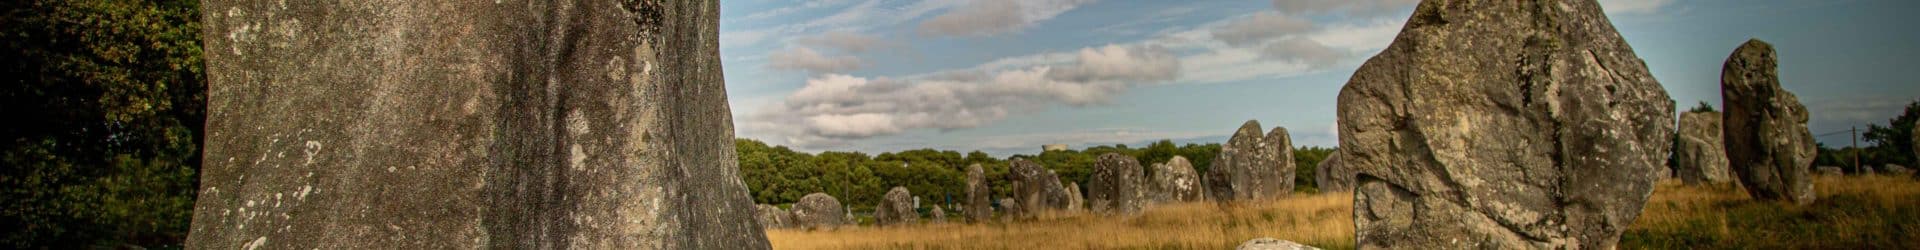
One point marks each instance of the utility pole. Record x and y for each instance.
(1856, 150)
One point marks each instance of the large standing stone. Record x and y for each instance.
(896, 208)
(1036, 189)
(1282, 146)
(818, 210)
(1330, 176)
(1116, 185)
(1176, 181)
(1248, 167)
(772, 217)
(468, 124)
(1699, 157)
(1502, 124)
(1768, 144)
(979, 207)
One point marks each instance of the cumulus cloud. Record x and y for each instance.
(836, 107)
(1303, 50)
(805, 59)
(1259, 28)
(994, 17)
(1349, 7)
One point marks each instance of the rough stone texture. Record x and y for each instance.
(1247, 167)
(978, 207)
(772, 216)
(1330, 176)
(1282, 146)
(939, 215)
(1036, 189)
(1828, 170)
(1075, 199)
(1768, 144)
(1272, 244)
(818, 210)
(1007, 207)
(1699, 157)
(1502, 124)
(1117, 185)
(468, 124)
(1176, 181)
(896, 208)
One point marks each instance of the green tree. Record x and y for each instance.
(107, 102)
(1893, 144)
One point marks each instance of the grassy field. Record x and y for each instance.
(1874, 212)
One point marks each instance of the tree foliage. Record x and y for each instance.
(105, 104)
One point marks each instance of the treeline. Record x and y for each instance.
(779, 175)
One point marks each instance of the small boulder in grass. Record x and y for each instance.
(1265, 243)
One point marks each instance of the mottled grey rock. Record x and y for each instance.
(1272, 244)
(978, 207)
(1008, 207)
(1282, 146)
(771, 216)
(1117, 185)
(1502, 124)
(1036, 189)
(1331, 177)
(818, 210)
(1897, 169)
(1768, 144)
(1176, 181)
(1248, 167)
(468, 124)
(896, 208)
(1075, 199)
(1828, 170)
(938, 215)
(1699, 155)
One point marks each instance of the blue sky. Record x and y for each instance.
(1005, 76)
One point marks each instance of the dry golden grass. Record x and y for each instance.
(1874, 212)
(1321, 220)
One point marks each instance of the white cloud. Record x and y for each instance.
(994, 17)
(834, 107)
(1260, 27)
(843, 41)
(1616, 7)
(1356, 8)
(804, 59)
(1304, 51)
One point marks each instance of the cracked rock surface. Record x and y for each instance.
(1505, 125)
(468, 124)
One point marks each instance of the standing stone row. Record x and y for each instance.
(1700, 156)
(1035, 189)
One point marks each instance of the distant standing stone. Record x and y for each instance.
(1076, 200)
(939, 215)
(1767, 140)
(818, 210)
(1176, 181)
(1248, 167)
(1897, 169)
(896, 208)
(1331, 177)
(1700, 156)
(1272, 244)
(978, 207)
(1281, 144)
(772, 217)
(1036, 189)
(1117, 185)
